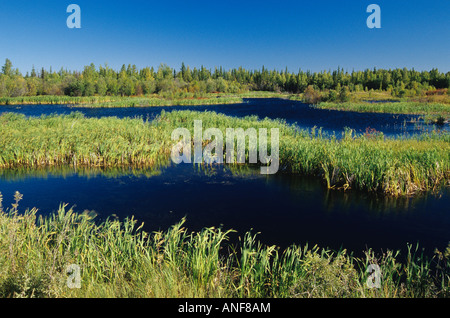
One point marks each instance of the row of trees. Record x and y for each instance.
(130, 80)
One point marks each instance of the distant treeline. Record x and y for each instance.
(172, 83)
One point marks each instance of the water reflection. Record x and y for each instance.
(66, 171)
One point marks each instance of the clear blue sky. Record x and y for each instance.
(311, 35)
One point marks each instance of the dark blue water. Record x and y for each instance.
(285, 208)
(293, 112)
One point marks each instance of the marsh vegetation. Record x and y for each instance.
(120, 260)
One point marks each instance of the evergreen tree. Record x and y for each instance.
(7, 68)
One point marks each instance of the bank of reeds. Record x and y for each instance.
(76, 140)
(368, 162)
(42, 257)
(118, 101)
(400, 107)
(146, 102)
(53, 99)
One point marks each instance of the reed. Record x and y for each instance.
(264, 94)
(52, 99)
(118, 101)
(119, 259)
(419, 108)
(78, 141)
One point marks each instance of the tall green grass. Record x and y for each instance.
(52, 99)
(389, 107)
(79, 141)
(118, 259)
(118, 101)
(370, 162)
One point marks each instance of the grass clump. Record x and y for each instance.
(76, 140)
(400, 107)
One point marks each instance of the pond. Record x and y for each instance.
(284, 208)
